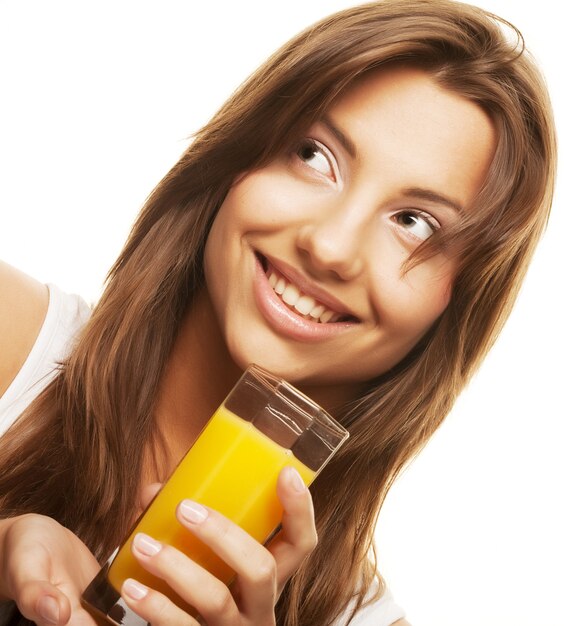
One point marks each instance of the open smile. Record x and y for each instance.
(291, 308)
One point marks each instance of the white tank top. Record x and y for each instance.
(66, 315)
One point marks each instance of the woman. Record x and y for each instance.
(388, 172)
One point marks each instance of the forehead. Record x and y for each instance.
(406, 125)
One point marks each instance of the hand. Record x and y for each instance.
(44, 568)
(261, 572)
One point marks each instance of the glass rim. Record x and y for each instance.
(318, 415)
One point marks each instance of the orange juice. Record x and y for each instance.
(233, 468)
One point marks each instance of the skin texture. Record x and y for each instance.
(22, 310)
(44, 569)
(343, 224)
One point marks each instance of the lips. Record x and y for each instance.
(301, 302)
(296, 307)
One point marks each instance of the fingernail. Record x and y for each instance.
(193, 512)
(48, 609)
(134, 589)
(296, 480)
(146, 545)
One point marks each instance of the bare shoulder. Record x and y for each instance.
(401, 622)
(23, 305)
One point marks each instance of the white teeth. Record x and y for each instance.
(305, 305)
(291, 295)
(280, 286)
(317, 311)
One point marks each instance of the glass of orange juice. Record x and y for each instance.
(263, 425)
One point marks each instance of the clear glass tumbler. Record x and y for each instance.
(263, 425)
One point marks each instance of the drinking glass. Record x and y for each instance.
(263, 425)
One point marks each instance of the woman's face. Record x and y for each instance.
(305, 261)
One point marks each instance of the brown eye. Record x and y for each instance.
(313, 155)
(420, 225)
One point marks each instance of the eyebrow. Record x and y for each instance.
(415, 192)
(347, 144)
(433, 196)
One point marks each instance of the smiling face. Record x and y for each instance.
(304, 263)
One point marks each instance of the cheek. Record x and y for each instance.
(221, 256)
(418, 298)
(231, 221)
(267, 197)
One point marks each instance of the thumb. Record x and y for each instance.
(44, 604)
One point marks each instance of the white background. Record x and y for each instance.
(97, 102)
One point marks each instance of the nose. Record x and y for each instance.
(330, 245)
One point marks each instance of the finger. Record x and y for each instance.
(254, 564)
(298, 536)
(193, 584)
(43, 603)
(37, 598)
(147, 494)
(34, 570)
(153, 606)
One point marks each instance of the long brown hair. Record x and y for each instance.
(73, 454)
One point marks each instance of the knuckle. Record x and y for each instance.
(220, 603)
(265, 571)
(29, 522)
(157, 606)
(309, 542)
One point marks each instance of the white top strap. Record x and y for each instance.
(66, 315)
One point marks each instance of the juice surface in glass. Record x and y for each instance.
(233, 468)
